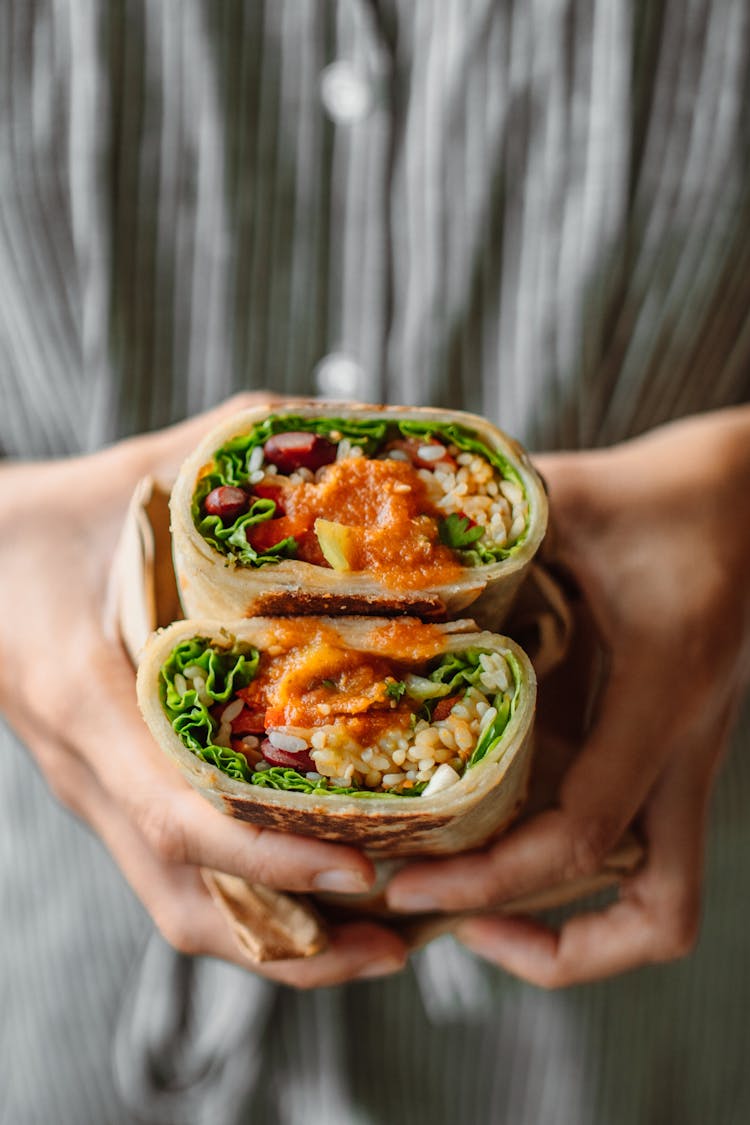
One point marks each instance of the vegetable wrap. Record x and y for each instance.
(331, 508)
(398, 736)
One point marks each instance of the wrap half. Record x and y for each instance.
(332, 508)
(397, 736)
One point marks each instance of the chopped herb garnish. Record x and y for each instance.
(459, 531)
(395, 689)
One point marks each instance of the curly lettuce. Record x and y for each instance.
(226, 671)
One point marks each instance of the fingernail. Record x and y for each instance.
(341, 882)
(411, 903)
(379, 969)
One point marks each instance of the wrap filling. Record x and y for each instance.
(312, 715)
(410, 502)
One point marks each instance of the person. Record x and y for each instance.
(537, 212)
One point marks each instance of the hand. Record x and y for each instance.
(69, 691)
(656, 534)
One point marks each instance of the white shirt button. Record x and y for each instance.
(346, 93)
(339, 376)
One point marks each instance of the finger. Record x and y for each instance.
(176, 898)
(573, 514)
(656, 918)
(599, 797)
(186, 916)
(356, 951)
(177, 823)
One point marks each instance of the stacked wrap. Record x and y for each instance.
(481, 803)
(228, 603)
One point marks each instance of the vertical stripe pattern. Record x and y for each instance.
(537, 209)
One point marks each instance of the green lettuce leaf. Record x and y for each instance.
(225, 672)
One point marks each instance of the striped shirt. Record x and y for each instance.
(538, 211)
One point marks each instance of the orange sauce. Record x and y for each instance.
(306, 678)
(386, 504)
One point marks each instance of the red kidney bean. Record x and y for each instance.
(300, 761)
(297, 450)
(227, 502)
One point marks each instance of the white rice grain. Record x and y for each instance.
(232, 710)
(487, 718)
(288, 742)
(434, 452)
(256, 459)
(443, 778)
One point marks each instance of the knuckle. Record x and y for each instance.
(165, 834)
(480, 885)
(587, 844)
(484, 893)
(177, 931)
(553, 978)
(678, 930)
(263, 871)
(259, 858)
(61, 775)
(303, 983)
(64, 792)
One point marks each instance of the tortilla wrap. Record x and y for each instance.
(481, 803)
(213, 585)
